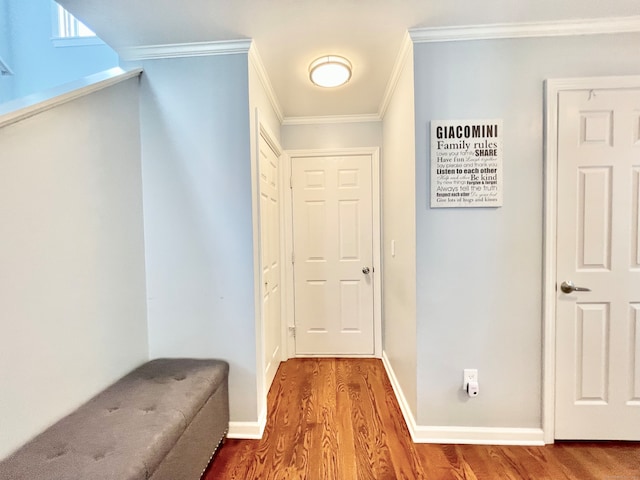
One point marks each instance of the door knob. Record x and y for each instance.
(365, 270)
(568, 287)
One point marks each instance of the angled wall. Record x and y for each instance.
(72, 278)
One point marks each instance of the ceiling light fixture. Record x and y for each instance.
(330, 71)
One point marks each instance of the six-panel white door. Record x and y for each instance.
(598, 247)
(333, 251)
(270, 253)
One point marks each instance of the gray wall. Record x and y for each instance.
(198, 216)
(72, 282)
(328, 136)
(479, 271)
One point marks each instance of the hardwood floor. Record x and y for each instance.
(337, 419)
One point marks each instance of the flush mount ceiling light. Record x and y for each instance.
(330, 71)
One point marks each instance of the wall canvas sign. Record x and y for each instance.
(466, 163)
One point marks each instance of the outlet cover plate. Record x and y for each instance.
(469, 375)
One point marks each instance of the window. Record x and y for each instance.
(69, 31)
(69, 26)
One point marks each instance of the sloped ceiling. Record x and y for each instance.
(289, 34)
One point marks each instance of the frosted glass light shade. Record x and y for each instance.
(330, 71)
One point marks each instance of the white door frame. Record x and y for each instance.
(553, 87)
(262, 382)
(288, 310)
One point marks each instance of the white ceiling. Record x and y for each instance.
(289, 34)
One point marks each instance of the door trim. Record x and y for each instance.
(289, 319)
(269, 371)
(553, 87)
(263, 383)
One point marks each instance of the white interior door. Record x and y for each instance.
(270, 254)
(598, 247)
(333, 251)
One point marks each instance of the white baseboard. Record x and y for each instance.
(248, 430)
(402, 400)
(459, 435)
(479, 435)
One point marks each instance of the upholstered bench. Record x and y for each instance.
(163, 421)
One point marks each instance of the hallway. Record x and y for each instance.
(333, 419)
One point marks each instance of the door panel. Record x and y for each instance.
(592, 353)
(594, 218)
(634, 348)
(597, 248)
(333, 242)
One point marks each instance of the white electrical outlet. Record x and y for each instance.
(470, 375)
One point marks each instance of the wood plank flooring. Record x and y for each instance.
(337, 419)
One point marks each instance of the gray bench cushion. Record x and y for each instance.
(126, 431)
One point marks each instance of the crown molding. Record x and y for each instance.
(256, 61)
(595, 26)
(332, 119)
(392, 84)
(178, 50)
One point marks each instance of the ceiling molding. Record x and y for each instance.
(331, 119)
(593, 26)
(256, 61)
(178, 50)
(392, 84)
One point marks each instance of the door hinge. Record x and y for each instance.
(292, 331)
(293, 257)
(291, 182)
